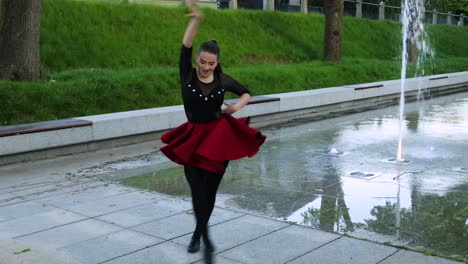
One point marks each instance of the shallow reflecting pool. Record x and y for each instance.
(339, 175)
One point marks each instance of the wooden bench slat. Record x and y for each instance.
(256, 100)
(438, 78)
(368, 87)
(42, 126)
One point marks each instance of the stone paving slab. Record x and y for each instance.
(404, 256)
(37, 222)
(280, 246)
(10, 254)
(235, 232)
(6, 197)
(49, 190)
(110, 246)
(20, 176)
(220, 260)
(23, 186)
(49, 187)
(114, 203)
(164, 253)
(14, 199)
(346, 250)
(182, 224)
(86, 195)
(146, 213)
(22, 210)
(169, 227)
(66, 235)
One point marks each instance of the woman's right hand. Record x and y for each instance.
(196, 13)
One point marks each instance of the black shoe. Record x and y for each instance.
(209, 255)
(209, 249)
(194, 245)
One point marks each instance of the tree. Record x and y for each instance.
(455, 6)
(19, 40)
(333, 29)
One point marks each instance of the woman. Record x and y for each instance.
(211, 137)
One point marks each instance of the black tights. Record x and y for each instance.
(203, 185)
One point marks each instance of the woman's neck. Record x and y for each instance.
(207, 79)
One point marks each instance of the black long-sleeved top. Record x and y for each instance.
(203, 101)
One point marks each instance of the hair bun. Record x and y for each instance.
(214, 41)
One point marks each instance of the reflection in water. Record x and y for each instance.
(294, 178)
(398, 206)
(170, 181)
(412, 121)
(434, 222)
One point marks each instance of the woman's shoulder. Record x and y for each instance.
(223, 75)
(226, 78)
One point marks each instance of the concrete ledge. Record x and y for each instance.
(116, 129)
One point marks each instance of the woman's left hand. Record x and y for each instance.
(230, 109)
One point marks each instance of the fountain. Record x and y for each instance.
(415, 43)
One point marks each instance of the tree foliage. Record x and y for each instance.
(454, 6)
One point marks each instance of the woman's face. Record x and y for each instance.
(206, 63)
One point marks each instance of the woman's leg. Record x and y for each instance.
(213, 181)
(198, 187)
(204, 186)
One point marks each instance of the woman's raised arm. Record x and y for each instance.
(194, 24)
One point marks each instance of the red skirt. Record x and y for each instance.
(208, 145)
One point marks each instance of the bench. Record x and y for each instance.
(256, 100)
(13, 130)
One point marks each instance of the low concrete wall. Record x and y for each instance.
(116, 129)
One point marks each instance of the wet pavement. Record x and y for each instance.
(295, 202)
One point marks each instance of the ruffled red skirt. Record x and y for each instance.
(208, 145)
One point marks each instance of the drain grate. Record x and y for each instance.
(358, 173)
(362, 175)
(393, 160)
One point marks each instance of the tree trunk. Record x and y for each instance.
(19, 40)
(333, 29)
(412, 51)
(1, 13)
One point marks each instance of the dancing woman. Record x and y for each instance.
(212, 137)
